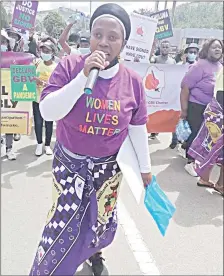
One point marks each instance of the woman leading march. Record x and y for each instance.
(90, 132)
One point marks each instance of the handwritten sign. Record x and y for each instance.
(23, 86)
(16, 117)
(24, 14)
(164, 26)
(141, 39)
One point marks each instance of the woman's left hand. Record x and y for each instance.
(146, 178)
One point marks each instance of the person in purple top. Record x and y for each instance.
(90, 132)
(198, 90)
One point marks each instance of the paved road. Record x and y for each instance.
(192, 246)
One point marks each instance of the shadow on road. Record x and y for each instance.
(25, 158)
(195, 205)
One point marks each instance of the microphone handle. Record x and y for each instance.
(93, 75)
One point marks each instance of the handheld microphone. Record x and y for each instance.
(93, 75)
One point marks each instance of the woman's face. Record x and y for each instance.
(215, 51)
(107, 36)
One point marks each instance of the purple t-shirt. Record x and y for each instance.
(98, 123)
(200, 79)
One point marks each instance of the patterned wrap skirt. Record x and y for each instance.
(83, 216)
(207, 148)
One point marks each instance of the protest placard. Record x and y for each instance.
(164, 26)
(141, 38)
(23, 85)
(16, 116)
(24, 14)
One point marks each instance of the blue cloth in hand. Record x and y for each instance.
(158, 205)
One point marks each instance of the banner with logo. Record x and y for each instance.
(164, 26)
(16, 117)
(139, 45)
(162, 87)
(24, 14)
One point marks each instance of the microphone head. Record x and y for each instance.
(88, 91)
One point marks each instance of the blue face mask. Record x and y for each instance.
(4, 48)
(46, 57)
(191, 56)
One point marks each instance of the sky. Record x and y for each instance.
(85, 6)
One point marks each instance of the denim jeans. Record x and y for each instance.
(174, 138)
(8, 141)
(38, 125)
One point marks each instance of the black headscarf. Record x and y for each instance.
(115, 10)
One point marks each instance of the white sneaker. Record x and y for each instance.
(48, 150)
(17, 137)
(190, 168)
(10, 154)
(39, 150)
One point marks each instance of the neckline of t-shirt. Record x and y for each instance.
(110, 73)
(116, 75)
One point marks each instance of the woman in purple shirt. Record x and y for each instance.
(90, 131)
(198, 89)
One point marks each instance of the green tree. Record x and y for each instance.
(199, 15)
(4, 16)
(145, 12)
(54, 24)
(39, 25)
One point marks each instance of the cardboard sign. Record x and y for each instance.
(16, 117)
(23, 86)
(139, 45)
(24, 14)
(164, 26)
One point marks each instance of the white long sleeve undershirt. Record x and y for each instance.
(139, 138)
(57, 105)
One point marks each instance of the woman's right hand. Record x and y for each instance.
(97, 59)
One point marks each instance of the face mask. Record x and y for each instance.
(191, 56)
(46, 57)
(4, 48)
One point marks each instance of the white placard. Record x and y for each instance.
(128, 163)
(139, 45)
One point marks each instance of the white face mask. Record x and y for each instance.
(4, 48)
(191, 56)
(46, 57)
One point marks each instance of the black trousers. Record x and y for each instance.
(195, 118)
(38, 125)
